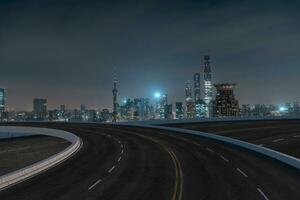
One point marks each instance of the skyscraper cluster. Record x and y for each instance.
(199, 107)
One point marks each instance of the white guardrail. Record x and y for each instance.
(36, 168)
(284, 158)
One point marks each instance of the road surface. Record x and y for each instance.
(135, 163)
(280, 135)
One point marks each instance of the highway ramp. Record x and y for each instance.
(118, 162)
(280, 135)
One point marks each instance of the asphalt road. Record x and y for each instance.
(283, 135)
(134, 163)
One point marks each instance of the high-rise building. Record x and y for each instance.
(169, 111)
(208, 94)
(200, 109)
(190, 106)
(161, 102)
(179, 110)
(115, 93)
(188, 90)
(144, 109)
(2, 103)
(197, 90)
(39, 109)
(225, 103)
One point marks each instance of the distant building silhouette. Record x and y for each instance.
(190, 106)
(225, 103)
(179, 110)
(115, 103)
(39, 109)
(197, 90)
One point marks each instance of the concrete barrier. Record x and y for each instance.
(284, 158)
(29, 171)
(205, 120)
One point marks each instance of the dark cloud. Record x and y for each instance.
(66, 50)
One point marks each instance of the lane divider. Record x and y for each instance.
(262, 194)
(91, 187)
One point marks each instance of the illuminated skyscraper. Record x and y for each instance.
(200, 109)
(197, 87)
(179, 110)
(163, 104)
(207, 86)
(190, 106)
(225, 103)
(115, 93)
(2, 102)
(188, 90)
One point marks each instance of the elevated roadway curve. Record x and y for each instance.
(280, 135)
(138, 163)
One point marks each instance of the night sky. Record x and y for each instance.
(66, 50)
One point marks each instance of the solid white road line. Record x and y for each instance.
(261, 145)
(210, 150)
(91, 187)
(278, 140)
(225, 159)
(119, 159)
(296, 136)
(262, 194)
(111, 169)
(243, 173)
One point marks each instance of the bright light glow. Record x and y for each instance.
(282, 108)
(125, 101)
(157, 95)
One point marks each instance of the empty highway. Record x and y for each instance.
(118, 162)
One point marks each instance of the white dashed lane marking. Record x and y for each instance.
(262, 194)
(91, 187)
(278, 140)
(243, 173)
(119, 159)
(296, 136)
(225, 159)
(210, 150)
(111, 169)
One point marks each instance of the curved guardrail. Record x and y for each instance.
(284, 158)
(36, 168)
(213, 119)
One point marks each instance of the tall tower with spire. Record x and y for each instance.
(207, 86)
(115, 93)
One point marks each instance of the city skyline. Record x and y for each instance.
(70, 60)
